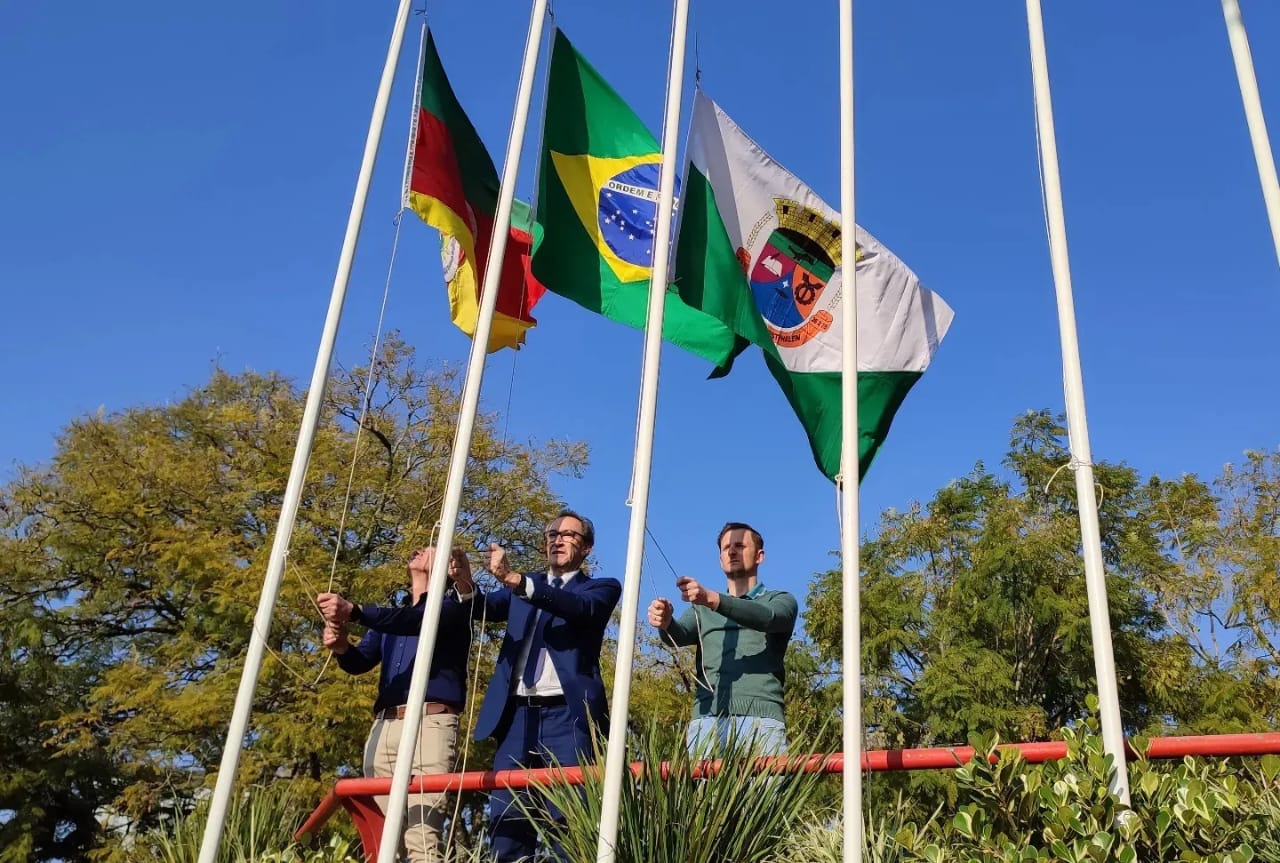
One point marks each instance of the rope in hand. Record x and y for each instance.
(700, 675)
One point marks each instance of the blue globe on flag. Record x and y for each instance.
(628, 213)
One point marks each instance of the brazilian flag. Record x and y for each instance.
(598, 208)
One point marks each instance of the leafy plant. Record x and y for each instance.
(886, 838)
(736, 814)
(1199, 811)
(259, 829)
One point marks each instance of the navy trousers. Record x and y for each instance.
(531, 737)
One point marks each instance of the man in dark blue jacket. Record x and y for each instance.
(391, 641)
(546, 702)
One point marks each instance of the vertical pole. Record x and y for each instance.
(412, 144)
(1077, 424)
(1253, 114)
(301, 456)
(398, 800)
(615, 762)
(850, 585)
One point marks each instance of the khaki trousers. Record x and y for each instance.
(437, 745)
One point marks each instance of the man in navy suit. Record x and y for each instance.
(546, 703)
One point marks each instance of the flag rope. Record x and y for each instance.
(220, 799)
(700, 667)
(365, 399)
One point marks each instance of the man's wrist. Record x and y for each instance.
(713, 600)
(357, 614)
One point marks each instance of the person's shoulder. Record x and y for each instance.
(603, 585)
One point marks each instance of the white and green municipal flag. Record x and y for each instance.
(758, 250)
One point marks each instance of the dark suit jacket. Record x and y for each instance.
(392, 640)
(580, 612)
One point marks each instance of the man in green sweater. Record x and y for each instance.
(741, 637)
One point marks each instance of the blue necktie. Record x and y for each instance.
(538, 643)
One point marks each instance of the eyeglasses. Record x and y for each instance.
(553, 535)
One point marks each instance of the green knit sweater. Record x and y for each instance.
(741, 652)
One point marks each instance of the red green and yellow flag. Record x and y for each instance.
(453, 187)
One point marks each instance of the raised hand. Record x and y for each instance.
(692, 592)
(499, 567)
(334, 608)
(660, 611)
(335, 637)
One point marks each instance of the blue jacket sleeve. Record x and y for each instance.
(592, 604)
(363, 656)
(492, 607)
(408, 621)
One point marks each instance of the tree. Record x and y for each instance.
(141, 547)
(49, 798)
(1220, 590)
(975, 613)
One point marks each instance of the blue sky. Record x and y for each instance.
(177, 176)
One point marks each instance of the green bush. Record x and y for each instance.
(1195, 811)
(260, 825)
(736, 815)
(1005, 811)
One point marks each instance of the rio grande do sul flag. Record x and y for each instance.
(760, 251)
(453, 187)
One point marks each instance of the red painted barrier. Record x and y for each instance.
(356, 795)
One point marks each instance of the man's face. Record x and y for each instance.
(739, 554)
(566, 546)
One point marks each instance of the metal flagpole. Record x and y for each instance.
(412, 144)
(851, 604)
(1078, 428)
(301, 456)
(1253, 113)
(615, 762)
(396, 805)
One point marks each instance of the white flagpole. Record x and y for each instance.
(412, 144)
(1078, 428)
(615, 761)
(850, 584)
(396, 805)
(301, 456)
(1253, 113)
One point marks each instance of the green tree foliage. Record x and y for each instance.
(136, 556)
(975, 615)
(1219, 587)
(49, 797)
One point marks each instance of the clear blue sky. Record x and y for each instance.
(176, 179)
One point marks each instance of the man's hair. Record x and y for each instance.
(588, 529)
(740, 525)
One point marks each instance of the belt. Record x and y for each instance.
(430, 708)
(539, 700)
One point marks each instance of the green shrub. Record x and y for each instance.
(1196, 811)
(736, 815)
(260, 825)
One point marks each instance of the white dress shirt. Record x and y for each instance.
(546, 681)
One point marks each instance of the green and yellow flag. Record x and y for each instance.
(598, 208)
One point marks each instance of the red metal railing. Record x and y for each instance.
(357, 795)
